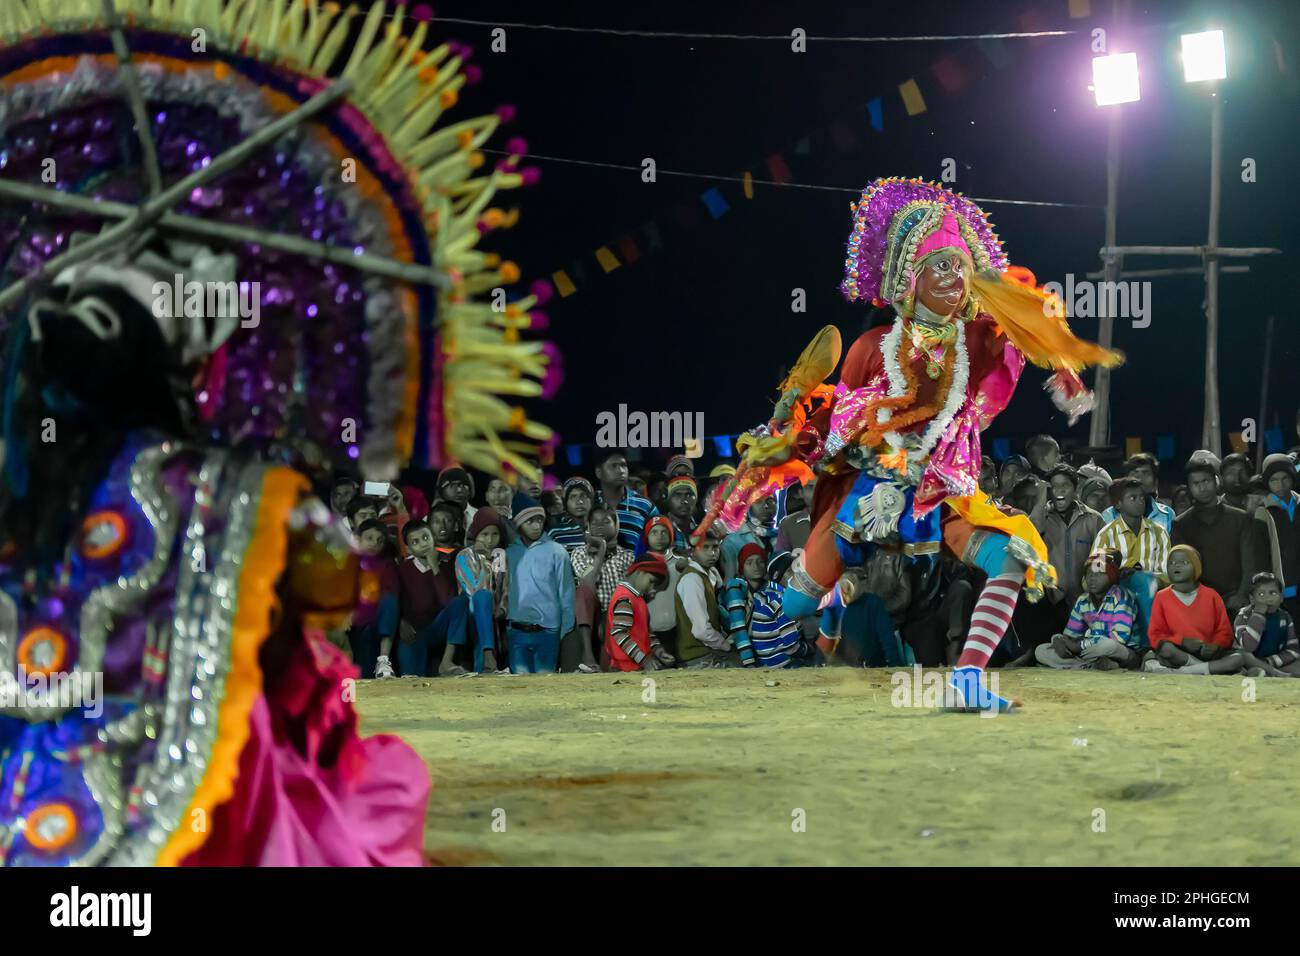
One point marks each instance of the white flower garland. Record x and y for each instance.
(898, 385)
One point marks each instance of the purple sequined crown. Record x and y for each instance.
(880, 233)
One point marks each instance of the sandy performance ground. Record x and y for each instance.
(819, 767)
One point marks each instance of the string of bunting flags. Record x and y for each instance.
(950, 74)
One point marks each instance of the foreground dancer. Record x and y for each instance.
(896, 442)
(172, 381)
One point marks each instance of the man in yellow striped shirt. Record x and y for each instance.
(1143, 546)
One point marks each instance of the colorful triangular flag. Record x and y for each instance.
(714, 202)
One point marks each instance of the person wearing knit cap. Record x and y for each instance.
(577, 497)
(629, 644)
(1190, 632)
(658, 538)
(683, 495)
(454, 484)
(1281, 521)
(1146, 470)
(757, 529)
(1099, 632)
(633, 509)
(598, 566)
(540, 604)
(763, 635)
(701, 641)
(1232, 546)
(1143, 546)
(481, 577)
(738, 599)
(679, 465)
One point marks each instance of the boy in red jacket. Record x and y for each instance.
(628, 641)
(1190, 632)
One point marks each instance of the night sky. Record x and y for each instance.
(704, 324)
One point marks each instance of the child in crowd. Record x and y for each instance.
(629, 645)
(498, 496)
(700, 638)
(1189, 632)
(1144, 468)
(377, 602)
(1264, 634)
(633, 509)
(1143, 546)
(448, 533)
(760, 631)
(682, 497)
(456, 486)
(1068, 528)
(341, 493)
(481, 577)
(360, 510)
(658, 539)
(1099, 633)
(571, 530)
(756, 530)
(429, 613)
(1281, 520)
(1012, 469)
(598, 566)
(796, 527)
(1044, 453)
(541, 593)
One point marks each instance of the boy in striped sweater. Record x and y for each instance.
(1099, 633)
(629, 644)
(1264, 634)
(1143, 547)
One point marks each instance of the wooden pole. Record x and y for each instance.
(1160, 273)
(1210, 430)
(229, 232)
(154, 209)
(1200, 252)
(1263, 395)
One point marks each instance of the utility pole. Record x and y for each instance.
(1210, 432)
(1099, 427)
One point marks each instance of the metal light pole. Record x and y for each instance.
(1211, 437)
(1099, 427)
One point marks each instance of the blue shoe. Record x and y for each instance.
(971, 696)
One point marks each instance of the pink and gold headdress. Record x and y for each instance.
(897, 222)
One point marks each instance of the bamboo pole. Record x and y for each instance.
(1158, 273)
(191, 225)
(151, 211)
(1263, 395)
(1210, 431)
(134, 98)
(1208, 251)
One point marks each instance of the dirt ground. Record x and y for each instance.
(818, 767)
